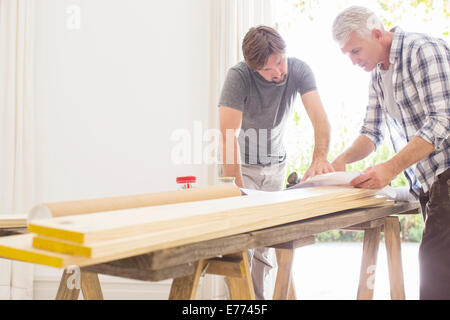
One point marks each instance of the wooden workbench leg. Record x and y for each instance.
(292, 294)
(241, 288)
(394, 257)
(369, 263)
(185, 288)
(69, 288)
(90, 286)
(284, 287)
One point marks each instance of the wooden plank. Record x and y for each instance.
(69, 208)
(162, 259)
(188, 234)
(111, 225)
(369, 263)
(394, 257)
(366, 225)
(13, 221)
(135, 272)
(226, 266)
(19, 247)
(411, 212)
(296, 243)
(387, 203)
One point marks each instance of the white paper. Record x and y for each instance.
(343, 179)
(329, 179)
(397, 194)
(251, 192)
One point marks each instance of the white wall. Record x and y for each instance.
(110, 94)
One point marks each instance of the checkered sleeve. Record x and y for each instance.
(431, 73)
(374, 123)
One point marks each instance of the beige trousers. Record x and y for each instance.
(263, 261)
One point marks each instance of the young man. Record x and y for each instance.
(410, 94)
(255, 108)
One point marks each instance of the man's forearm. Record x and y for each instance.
(231, 160)
(416, 150)
(322, 140)
(319, 120)
(319, 163)
(360, 149)
(381, 175)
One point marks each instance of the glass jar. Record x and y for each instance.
(227, 180)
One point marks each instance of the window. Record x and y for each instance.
(306, 27)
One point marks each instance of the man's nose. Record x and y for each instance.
(277, 72)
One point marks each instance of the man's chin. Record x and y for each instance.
(279, 80)
(369, 68)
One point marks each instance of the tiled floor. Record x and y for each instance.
(331, 271)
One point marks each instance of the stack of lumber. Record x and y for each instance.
(13, 221)
(98, 237)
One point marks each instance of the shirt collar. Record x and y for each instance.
(397, 43)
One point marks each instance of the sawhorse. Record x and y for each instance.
(284, 286)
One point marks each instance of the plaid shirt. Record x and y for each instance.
(421, 84)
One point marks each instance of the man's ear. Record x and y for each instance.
(377, 34)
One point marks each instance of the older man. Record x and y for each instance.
(410, 95)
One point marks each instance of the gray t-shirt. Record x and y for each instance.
(266, 108)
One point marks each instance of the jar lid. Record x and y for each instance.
(188, 179)
(227, 179)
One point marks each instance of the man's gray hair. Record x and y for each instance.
(355, 19)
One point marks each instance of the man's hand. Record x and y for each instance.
(376, 177)
(318, 167)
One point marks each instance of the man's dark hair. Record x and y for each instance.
(259, 44)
